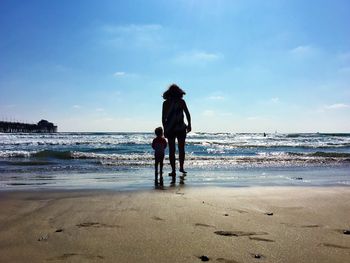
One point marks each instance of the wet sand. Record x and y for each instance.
(181, 224)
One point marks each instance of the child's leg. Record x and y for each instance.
(156, 169)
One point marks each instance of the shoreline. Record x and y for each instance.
(166, 188)
(176, 225)
(143, 178)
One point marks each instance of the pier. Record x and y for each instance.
(42, 126)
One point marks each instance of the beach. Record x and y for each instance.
(90, 197)
(176, 224)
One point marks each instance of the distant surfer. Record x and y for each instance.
(173, 111)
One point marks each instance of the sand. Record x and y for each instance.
(180, 224)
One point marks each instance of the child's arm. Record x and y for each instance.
(153, 144)
(165, 143)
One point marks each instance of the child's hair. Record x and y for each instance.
(158, 131)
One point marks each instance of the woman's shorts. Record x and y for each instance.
(176, 134)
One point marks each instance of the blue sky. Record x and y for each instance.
(247, 66)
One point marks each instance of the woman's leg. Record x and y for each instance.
(171, 143)
(161, 172)
(181, 145)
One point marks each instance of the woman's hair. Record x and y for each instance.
(173, 92)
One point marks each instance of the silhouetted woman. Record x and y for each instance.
(174, 126)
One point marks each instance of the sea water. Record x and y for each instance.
(125, 160)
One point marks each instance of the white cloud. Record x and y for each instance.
(216, 98)
(303, 51)
(100, 109)
(274, 100)
(256, 118)
(107, 119)
(204, 56)
(131, 28)
(271, 101)
(337, 106)
(196, 57)
(76, 107)
(208, 113)
(226, 114)
(119, 74)
(133, 35)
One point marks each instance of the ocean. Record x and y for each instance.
(125, 160)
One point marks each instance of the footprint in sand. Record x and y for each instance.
(203, 258)
(69, 255)
(95, 224)
(44, 238)
(310, 226)
(239, 233)
(261, 239)
(241, 211)
(158, 218)
(302, 226)
(334, 245)
(89, 224)
(346, 232)
(224, 260)
(343, 231)
(204, 225)
(257, 256)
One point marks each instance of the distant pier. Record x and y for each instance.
(42, 126)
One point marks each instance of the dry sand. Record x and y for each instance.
(177, 225)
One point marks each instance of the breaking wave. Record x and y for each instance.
(192, 160)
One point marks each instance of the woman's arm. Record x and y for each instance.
(188, 117)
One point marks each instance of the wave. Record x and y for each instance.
(37, 154)
(63, 155)
(330, 154)
(28, 163)
(74, 142)
(47, 157)
(233, 162)
(96, 153)
(226, 141)
(295, 135)
(335, 134)
(305, 145)
(314, 135)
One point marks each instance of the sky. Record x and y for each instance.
(245, 65)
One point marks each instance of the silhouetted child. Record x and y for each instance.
(159, 144)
